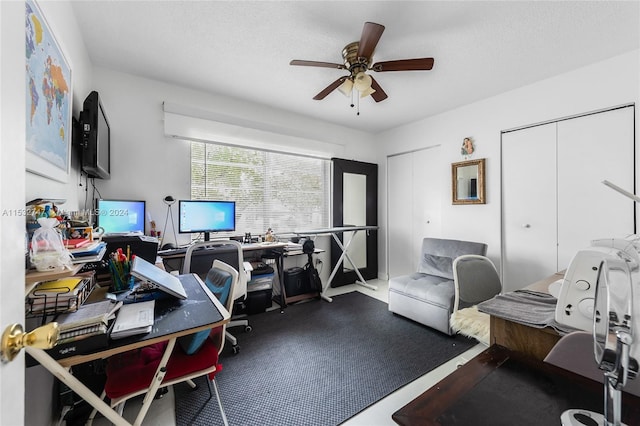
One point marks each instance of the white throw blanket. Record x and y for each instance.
(471, 323)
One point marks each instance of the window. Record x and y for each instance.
(283, 192)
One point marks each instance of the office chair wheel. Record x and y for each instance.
(236, 349)
(248, 328)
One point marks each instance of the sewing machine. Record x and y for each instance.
(597, 296)
(577, 293)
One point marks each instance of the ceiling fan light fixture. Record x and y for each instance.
(366, 92)
(346, 87)
(362, 81)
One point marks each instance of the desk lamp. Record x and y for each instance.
(613, 340)
(169, 200)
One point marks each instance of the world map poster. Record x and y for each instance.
(48, 103)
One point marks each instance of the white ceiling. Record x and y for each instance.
(242, 49)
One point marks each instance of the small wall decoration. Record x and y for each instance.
(48, 89)
(467, 147)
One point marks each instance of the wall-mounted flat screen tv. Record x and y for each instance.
(206, 216)
(96, 138)
(121, 217)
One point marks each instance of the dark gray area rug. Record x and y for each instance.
(317, 363)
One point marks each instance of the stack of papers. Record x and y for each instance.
(293, 246)
(88, 320)
(134, 318)
(91, 252)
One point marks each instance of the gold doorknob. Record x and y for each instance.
(14, 339)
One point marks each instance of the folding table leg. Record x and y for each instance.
(156, 382)
(76, 385)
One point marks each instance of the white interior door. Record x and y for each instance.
(529, 250)
(12, 198)
(414, 185)
(591, 149)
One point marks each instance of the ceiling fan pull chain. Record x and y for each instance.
(352, 98)
(358, 101)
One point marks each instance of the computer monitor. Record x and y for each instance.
(206, 216)
(120, 217)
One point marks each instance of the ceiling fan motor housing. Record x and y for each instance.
(351, 60)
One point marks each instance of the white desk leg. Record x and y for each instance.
(78, 387)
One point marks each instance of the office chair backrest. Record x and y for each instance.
(221, 281)
(200, 256)
(475, 278)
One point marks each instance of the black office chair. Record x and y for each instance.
(199, 258)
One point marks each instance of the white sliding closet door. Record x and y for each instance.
(591, 149)
(399, 188)
(553, 199)
(414, 191)
(529, 205)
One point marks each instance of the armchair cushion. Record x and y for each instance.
(438, 255)
(437, 290)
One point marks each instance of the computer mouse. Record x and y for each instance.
(168, 246)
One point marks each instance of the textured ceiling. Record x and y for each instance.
(242, 49)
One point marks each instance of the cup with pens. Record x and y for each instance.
(120, 268)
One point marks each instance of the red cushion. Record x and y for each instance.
(132, 371)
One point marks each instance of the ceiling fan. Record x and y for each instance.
(357, 57)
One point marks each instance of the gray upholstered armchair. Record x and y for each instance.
(427, 296)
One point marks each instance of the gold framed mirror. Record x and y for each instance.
(467, 182)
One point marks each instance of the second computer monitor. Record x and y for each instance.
(206, 216)
(121, 217)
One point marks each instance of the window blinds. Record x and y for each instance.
(284, 192)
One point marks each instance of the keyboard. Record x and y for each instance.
(170, 252)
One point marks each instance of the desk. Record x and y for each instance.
(201, 259)
(201, 262)
(170, 323)
(536, 342)
(344, 247)
(502, 387)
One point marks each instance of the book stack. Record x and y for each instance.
(61, 295)
(89, 320)
(84, 331)
(92, 252)
(76, 243)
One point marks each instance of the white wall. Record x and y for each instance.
(604, 84)
(148, 165)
